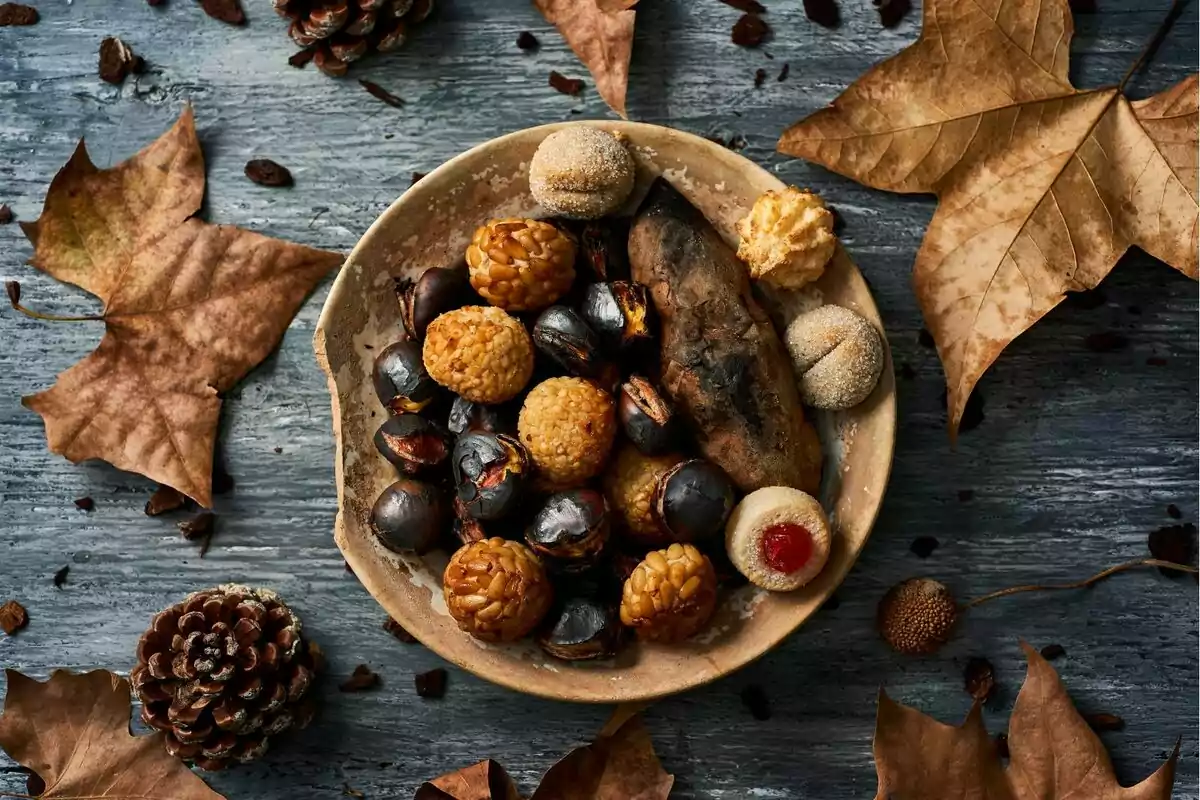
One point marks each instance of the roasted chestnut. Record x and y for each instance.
(581, 628)
(436, 291)
(466, 416)
(602, 245)
(410, 515)
(571, 530)
(490, 471)
(563, 335)
(412, 443)
(648, 419)
(401, 381)
(693, 500)
(620, 313)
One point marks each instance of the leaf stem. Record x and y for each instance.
(1083, 584)
(1155, 41)
(14, 298)
(22, 796)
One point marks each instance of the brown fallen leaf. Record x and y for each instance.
(621, 764)
(73, 731)
(1042, 187)
(1053, 754)
(602, 39)
(189, 308)
(486, 780)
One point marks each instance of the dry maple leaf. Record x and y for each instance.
(619, 765)
(1053, 754)
(1041, 187)
(73, 731)
(601, 34)
(189, 308)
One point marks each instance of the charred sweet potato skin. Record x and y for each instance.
(723, 365)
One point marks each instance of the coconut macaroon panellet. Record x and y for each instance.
(581, 172)
(778, 537)
(787, 238)
(838, 357)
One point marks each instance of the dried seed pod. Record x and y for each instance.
(580, 629)
(917, 616)
(693, 500)
(620, 313)
(490, 471)
(571, 530)
(412, 443)
(563, 335)
(410, 515)
(401, 381)
(437, 290)
(466, 416)
(648, 419)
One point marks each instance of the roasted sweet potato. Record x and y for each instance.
(722, 363)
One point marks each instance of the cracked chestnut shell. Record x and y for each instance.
(467, 416)
(620, 314)
(412, 443)
(563, 335)
(571, 530)
(693, 500)
(435, 291)
(490, 471)
(647, 418)
(410, 515)
(400, 379)
(602, 245)
(581, 628)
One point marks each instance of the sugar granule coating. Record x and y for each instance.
(760, 510)
(838, 357)
(581, 172)
(787, 238)
(568, 426)
(671, 594)
(480, 353)
(917, 616)
(629, 484)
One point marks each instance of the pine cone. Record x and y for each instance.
(342, 31)
(223, 672)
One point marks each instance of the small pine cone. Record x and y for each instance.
(222, 673)
(480, 353)
(496, 590)
(670, 595)
(521, 264)
(630, 483)
(568, 426)
(340, 32)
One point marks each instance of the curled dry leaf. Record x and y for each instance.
(1041, 186)
(189, 308)
(1053, 754)
(601, 34)
(486, 780)
(73, 731)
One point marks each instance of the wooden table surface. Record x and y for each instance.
(1075, 462)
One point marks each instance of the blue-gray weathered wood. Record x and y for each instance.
(1076, 461)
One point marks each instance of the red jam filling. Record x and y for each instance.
(787, 547)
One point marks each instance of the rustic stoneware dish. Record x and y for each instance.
(430, 225)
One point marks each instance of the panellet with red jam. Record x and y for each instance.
(778, 537)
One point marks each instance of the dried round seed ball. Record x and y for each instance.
(778, 537)
(787, 238)
(838, 357)
(480, 353)
(629, 483)
(917, 616)
(496, 589)
(581, 172)
(568, 426)
(671, 594)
